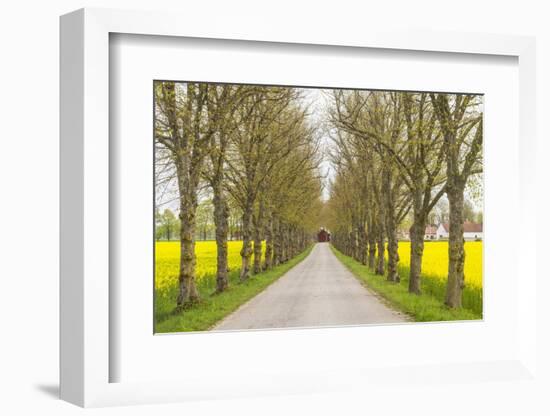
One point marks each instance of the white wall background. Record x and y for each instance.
(29, 56)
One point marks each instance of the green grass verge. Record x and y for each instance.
(214, 307)
(472, 297)
(423, 308)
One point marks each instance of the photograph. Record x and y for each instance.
(280, 207)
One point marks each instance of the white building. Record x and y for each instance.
(472, 231)
(430, 233)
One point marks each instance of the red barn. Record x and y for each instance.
(323, 236)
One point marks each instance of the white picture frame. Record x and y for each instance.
(85, 355)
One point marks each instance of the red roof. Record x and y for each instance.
(469, 227)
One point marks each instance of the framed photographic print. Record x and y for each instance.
(245, 215)
(282, 207)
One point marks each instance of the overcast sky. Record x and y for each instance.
(316, 100)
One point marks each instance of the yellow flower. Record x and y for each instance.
(435, 261)
(167, 260)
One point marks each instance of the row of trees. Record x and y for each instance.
(252, 151)
(396, 154)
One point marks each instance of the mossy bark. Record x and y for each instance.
(221, 216)
(380, 239)
(246, 250)
(258, 234)
(187, 289)
(416, 234)
(457, 254)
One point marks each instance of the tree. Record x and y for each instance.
(167, 224)
(460, 120)
(159, 230)
(223, 100)
(183, 128)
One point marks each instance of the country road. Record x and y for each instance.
(319, 291)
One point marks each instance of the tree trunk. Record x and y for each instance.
(246, 251)
(187, 292)
(380, 254)
(221, 215)
(276, 242)
(290, 236)
(363, 250)
(356, 243)
(291, 242)
(393, 257)
(284, 242)
(372, 245)
(380, 260)
(416, 234)
(393, 253)
(280, 237)
(391, 228)
(268, 259)
(258, 231)
(457, 255)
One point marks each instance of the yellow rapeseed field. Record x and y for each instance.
(167, 258)
(434, 263)
(435, 260)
